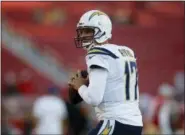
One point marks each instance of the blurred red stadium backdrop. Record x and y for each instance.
(156, 34)
(39, 37)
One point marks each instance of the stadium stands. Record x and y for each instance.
(154, 24)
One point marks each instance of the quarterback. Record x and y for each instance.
(113, 79)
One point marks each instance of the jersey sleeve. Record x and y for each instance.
(99, 57)
(97, 60)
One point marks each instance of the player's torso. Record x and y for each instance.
(121, 80)
(120, 99)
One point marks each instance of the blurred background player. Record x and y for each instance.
(50, 114)
(38, 37)
(165, 113)
(113, 88)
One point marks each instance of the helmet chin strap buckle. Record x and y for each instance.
(88, 46)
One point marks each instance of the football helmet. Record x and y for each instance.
(96, 22)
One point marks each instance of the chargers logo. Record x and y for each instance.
(96, 13)
(107, 129)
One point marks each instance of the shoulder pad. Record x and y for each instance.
(101, 51)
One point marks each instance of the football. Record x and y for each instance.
(74, 97)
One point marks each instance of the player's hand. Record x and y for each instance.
(77, 80)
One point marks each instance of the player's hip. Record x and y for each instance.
(131, 119)
(113, 127)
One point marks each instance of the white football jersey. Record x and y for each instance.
(121, 97)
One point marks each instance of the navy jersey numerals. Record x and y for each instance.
(130, 65)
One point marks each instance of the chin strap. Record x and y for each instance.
(88, 47)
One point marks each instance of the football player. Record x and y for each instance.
(113, 79)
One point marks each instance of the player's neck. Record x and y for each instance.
(99, 44)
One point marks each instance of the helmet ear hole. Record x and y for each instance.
(104, 37)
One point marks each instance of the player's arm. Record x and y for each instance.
(93, 94)
(98, 65)
(97, 61)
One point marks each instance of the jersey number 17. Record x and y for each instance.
(129, 72)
